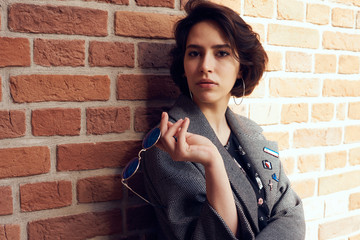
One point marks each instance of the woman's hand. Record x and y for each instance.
(184, 146)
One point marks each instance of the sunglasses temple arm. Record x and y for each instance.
(128, 187)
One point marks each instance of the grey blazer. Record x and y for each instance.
(179, 187)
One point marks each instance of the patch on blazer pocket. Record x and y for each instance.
(275, 177)
(267, 164)
(271, 152)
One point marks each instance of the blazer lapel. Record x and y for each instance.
(253, 142)
(238, 180)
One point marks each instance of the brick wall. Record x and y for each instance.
(81, 81)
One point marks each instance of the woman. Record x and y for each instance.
(212, 172)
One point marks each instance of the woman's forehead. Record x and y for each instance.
(206, 32)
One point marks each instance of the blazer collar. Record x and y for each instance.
(246, 135)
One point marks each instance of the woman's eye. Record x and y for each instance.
(193, 54)
(222, 53)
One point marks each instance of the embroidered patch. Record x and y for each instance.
(275, 177)
(267, 164)
(271, 152)
(270, 185)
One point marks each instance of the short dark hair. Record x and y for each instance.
(243, 41)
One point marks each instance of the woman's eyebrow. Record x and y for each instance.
(217, 46)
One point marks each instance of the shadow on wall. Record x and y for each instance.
(154, 86)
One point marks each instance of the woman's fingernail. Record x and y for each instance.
(162, 115)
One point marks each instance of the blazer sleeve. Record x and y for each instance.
(179, 188)
(287, 215)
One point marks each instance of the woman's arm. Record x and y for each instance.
(184, 146)
(219, 193)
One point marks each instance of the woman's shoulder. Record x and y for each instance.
(244, 123)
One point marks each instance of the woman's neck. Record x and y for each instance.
(215, 114)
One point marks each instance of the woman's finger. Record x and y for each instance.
(164, 123)
(173, 130)
(182, 144)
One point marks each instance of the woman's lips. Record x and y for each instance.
(206, 83)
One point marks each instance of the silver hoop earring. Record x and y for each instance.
(242, 97)
(190, 93)
(191, 96)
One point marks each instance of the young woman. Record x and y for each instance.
(212, 173)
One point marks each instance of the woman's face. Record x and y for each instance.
(210, 66)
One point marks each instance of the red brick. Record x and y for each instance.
(156, 3)
(291, 10)
(342, 17)
(255, 8)
(112, 54)
(107, 120)
(309, 163)
(45, 195)
(291, 113)
(304, 138)
(147, 25)
(341, 41)
(318, 13)
(86, 156)
(341, 88)
(143, 87)
(154, 55)
(140, 217)
(298, 62)
(0, 90)
(291, 36)
(6, 201)
(59, 52)
(12, 124)
(147, 117)
(282, 138)
(354, 110)
(233, 4)
(57, 20)
(120, 2)
(354, 156)
(339, 228)
(340, 182)
(325, 63)
(275, 61)
(49, 122)
(335, 160)
(349, 64)
(354, 237)
(304, 188)
(354, 201)
(294, 87)
(40, 88)
(322, 112)
(352, 134)
(18, 162)
(10, 232)
(77, 227)
(99, 189)
(14, 52)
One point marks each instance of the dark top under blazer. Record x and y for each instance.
(180, 186)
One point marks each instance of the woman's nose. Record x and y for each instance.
(207, 64)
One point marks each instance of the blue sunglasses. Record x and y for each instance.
(131, 168)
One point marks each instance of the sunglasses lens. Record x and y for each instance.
(131, 168)
(151, 138)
